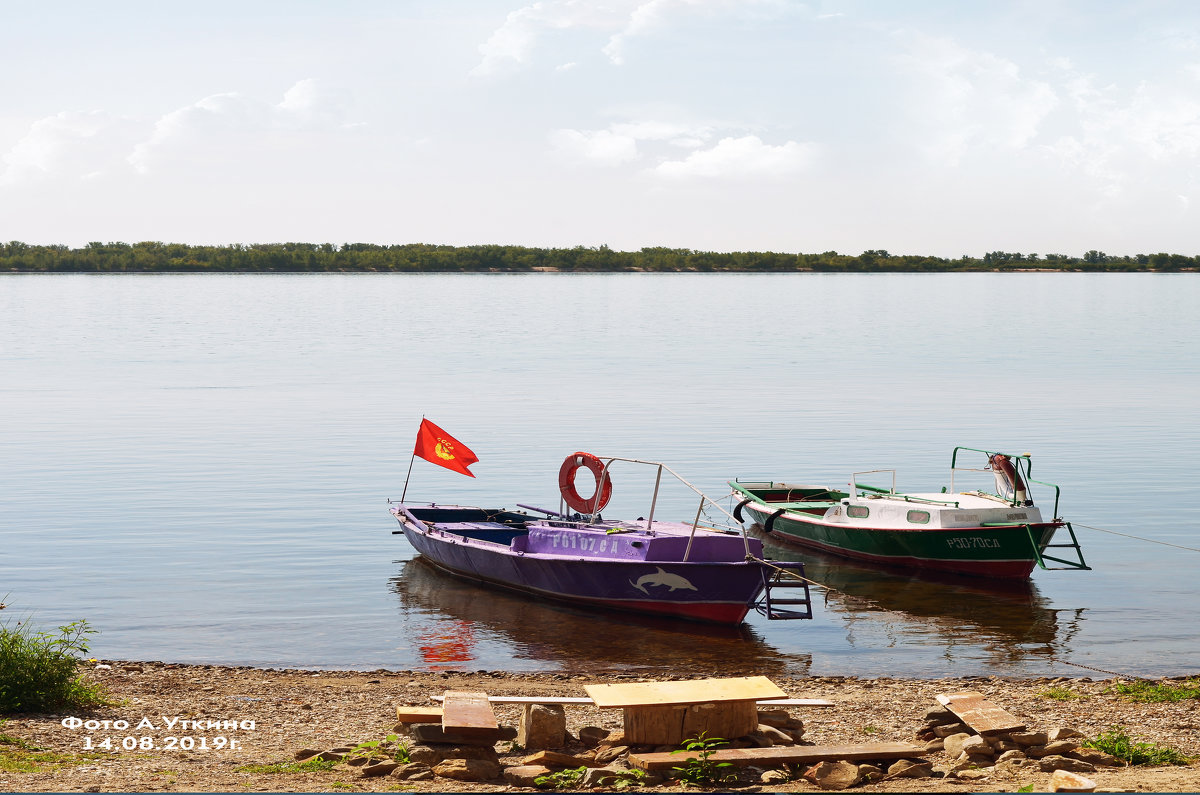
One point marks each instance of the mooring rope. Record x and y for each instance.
(1136, 538)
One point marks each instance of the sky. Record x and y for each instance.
(935, 127)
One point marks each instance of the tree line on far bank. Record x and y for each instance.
(156, 257)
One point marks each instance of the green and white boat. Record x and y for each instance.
(982, 533)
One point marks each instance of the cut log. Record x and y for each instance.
(980, 714)
(782, 753)
(466, 713)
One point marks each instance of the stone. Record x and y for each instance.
(306, 753)
(1062, 733)
(379, 769)
(777, 717)
(525, 775)
(832, 775)
(592, 735)
(971, 774)
(1027, 739)
(947, 729)
(776, 736)
(773, 776)
(757, 739)
(796, 733)
(939, 715)
(357, 761)
(976, 746)
(1048, 764)
(542, 726)
(1057, 748)
(907, 768)
(1066, 781)
(606, 755)
(1009, 756)
(331, 756)
(954, 743)
(1002, 745)
(425, 754)
(600, 777)
(869, 773)
(1094, 756)
(411, 771)
(468, 769)
(933, 746)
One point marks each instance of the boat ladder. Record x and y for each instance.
(788, 578)
(1042, 557)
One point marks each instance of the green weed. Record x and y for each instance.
(701, 769)
(1061, 694)
(1151, 692)
(39, 670)
(307, 766)
(563, 779)
(1118, 743)
(389, 748)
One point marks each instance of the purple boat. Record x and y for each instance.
(702, 572)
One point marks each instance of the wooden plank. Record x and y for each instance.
(466, 713)
(771, 702)
(779, 754)
(419, 714)
(532, 699)
(696, 691)
(980, 714)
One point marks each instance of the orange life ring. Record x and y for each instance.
(566, 483)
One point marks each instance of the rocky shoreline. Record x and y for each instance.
(203, 728)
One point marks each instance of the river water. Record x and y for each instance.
(199, 465)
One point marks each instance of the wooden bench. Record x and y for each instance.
(667, 713)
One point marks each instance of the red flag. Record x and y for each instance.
(438, 447)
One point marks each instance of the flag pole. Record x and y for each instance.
(409, 475)
(411, 460)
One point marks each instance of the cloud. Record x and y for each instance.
(68, 145)
(598, 147)
(963, 99)
(512, 44)
(222, 125)
(741, 157)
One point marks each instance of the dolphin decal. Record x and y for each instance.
(673, 582)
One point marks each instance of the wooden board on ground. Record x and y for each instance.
(419, 714)
(783, 753)
(980, 714)
(696, 691)
(466, 713)
(567, 700)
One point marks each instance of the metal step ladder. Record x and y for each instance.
(1042, 557)
(785, 577)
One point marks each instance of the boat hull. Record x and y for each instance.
(1000, 552)
(717, 592)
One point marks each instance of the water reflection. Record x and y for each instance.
(468, 622)
(1002, 623)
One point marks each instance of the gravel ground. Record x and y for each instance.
(295, 709)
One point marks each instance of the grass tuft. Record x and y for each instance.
(1061, 694)
(39, 670)
(307, 766)
(1153, 692)
(1117, 742)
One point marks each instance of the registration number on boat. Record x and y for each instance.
(973, 542)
